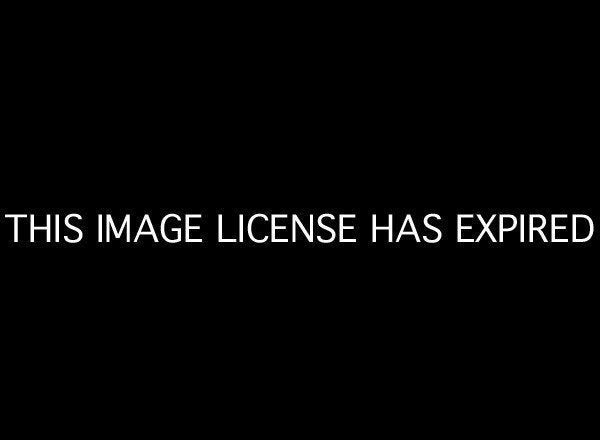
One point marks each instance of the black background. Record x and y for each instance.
(386, 112)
